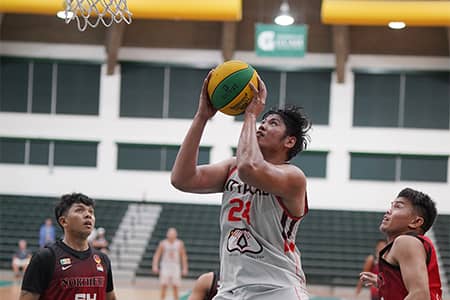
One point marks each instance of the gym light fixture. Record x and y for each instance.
(62, 14)
(284, 18)
(397, 25)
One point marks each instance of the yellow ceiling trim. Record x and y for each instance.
(374, 12)
(198, 10)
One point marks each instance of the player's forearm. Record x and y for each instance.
(248, 155)
(184, 168)
(155, 261)
(185, 264)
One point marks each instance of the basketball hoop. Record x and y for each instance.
(92, 12)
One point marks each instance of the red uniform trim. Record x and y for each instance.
(280, 201)
(231, 171)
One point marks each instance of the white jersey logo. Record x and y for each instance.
(65, 267)
(240, 239)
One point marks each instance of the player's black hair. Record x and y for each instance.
(423, 206)
(68, 200)
(297, 124)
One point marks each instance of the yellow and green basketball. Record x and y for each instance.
(229, 89)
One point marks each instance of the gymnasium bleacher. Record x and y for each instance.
(333, 243)
(197, 226)
(441, 230)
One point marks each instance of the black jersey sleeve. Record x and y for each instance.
(39, 272)
(109, 283)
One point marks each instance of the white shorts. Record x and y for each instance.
(262, 293)
(21, 262)
(170, 275)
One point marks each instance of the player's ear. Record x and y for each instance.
(417, 222)
(290, 141)
(62, 220)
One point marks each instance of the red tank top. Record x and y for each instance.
(391, 286)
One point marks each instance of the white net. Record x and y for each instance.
(92, 12)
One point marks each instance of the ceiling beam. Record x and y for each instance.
(228, 40)
(1, 19)
(341, 47)
(198, 10)
(114, 38)
(448, 39)
(381, 12)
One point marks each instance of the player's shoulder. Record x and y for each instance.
(44, 257)
(47, 252)
(407, 243)
(294, 168)
(293, 171)
(406, 239)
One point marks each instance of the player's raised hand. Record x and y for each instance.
(256, 106)
(205, 108)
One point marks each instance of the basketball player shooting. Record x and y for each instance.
(264, 199)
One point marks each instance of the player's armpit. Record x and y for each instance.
(26, 295)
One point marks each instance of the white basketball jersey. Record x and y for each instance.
(171, 253)
(259, 259)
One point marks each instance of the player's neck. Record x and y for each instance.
(76, 243)
(276, 159)
(393, 236)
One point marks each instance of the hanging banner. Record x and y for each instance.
(275, 40)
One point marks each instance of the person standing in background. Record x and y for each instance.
(46, 233)
(174, 263)
(70, 269)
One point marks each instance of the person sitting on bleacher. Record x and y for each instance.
(21, 258)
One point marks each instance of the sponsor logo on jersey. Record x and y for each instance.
(243, 188)
(65, 267)
(241, 240)
(65, 261)
(75, 282)
(97, 259)
(99, 267)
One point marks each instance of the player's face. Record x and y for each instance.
(397, 219)
(271, 132)
(80, 219)
(171, 234)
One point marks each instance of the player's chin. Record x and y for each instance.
(383, 228)
(86, 231)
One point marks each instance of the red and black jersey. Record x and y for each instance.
(60, 273)
(391, 286)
